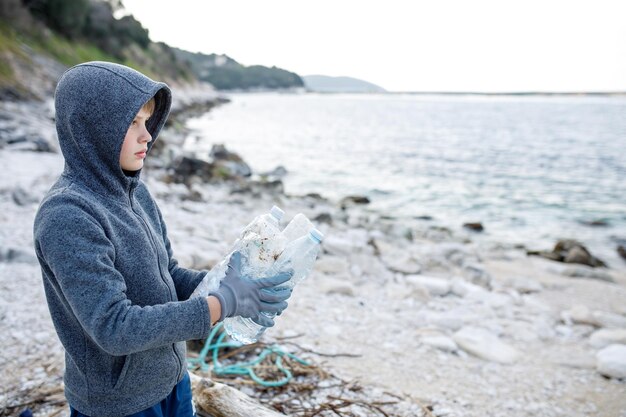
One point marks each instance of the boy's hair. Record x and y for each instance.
(149, 106)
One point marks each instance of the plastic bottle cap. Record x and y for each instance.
(316, 235)
(277, 213)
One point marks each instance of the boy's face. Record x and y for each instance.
(135, 143)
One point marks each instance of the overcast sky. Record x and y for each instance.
(410, 45)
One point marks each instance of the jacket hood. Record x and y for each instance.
(95, 104)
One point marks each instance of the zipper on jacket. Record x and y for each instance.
(156, 251)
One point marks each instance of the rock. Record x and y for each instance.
(323, 218)
(476, 227)
(435, 286)
(185, 167)
(23, 198)
(450, 320)
(230, 161)
(18, 255)
(491, 299)
(353, 200)
(402, 263)
(605, 337)
(570, 251)
(573, 251)
(423, 217)
(395, 258)
(577, 255)
(440, 342)
(545, 254)
(611, 361)
(477, 275)
(336, 286)
(461, 288)
(316, 196)
(438, 233)
(612, 320)
(232, 169)
(596, 223)
(338, 245)
(524, 285)
(417, 294)
(621, 250)
(371, 267)
(579, 314)
(332, 265)
(278, 172)
(485, 345)
(262, 187)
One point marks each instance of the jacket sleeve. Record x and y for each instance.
(185, 279)
(76, 249)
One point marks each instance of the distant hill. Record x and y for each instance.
(326, 84)
(39, 39)
(227, 74)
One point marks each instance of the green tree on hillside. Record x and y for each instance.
(67, 17)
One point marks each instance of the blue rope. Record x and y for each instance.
(241, 368)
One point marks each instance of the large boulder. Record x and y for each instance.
(185, 168)
(570, 251)
(229, 164)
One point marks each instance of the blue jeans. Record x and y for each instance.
(177, 404)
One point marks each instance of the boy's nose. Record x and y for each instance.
(145, 136)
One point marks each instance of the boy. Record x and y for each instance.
(117, 297)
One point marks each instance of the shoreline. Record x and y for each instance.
(433, 317)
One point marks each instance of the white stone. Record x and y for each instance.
(485, 345)
(524, 285)
(434, 285)
(477, 274)
(358, 237)
(440, 342)
(611, 361)
(337, 285)
(332, 265)
(491, 299)
(338, 245)
(396, 258)
(371, 266)
(606, 319)
(402, 292)
(605, 337)
(579, 314)
(461, 287)
(449, 320)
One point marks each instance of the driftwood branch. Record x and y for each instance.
(221, 400)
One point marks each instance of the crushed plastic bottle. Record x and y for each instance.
(260, 244)
(298, 226)
(299, 255)
(259, 248)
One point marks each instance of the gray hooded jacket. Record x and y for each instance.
(117, 297)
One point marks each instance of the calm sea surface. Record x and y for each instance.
(531, 169)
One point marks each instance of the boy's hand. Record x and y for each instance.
(245, 297)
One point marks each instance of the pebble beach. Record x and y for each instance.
(448, 326)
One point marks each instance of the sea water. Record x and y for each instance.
(532, 169)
